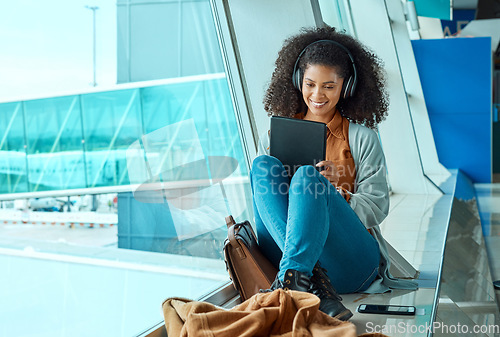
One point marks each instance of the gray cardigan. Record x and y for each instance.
(370, 200)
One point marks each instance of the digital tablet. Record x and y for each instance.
(296, 142)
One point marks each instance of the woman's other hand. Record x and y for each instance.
(330, 171)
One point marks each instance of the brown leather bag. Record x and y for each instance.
(248, 268)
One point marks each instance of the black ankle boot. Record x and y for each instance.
(330, 300)
(277, 284)
(293, 280)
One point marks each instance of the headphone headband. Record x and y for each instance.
(349, 83)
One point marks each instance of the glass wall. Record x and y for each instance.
(168, 154)
(177, 149)
(13, 163)
(81, 141)
(165, 38)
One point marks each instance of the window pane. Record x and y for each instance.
(13, 176)
(55, 155)
(192, 142)
(111, 122)
(199, 47)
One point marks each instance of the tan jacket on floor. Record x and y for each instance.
(280, 313)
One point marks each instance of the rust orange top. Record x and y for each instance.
(339, 152)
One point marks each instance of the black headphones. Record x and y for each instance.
(349, 83)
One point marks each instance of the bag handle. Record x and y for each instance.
(231, 235)
(230, 222)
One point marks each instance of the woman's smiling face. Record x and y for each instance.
(321, 88)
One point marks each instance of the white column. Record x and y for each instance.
(405, 155)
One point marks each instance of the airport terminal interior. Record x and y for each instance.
(128, 130)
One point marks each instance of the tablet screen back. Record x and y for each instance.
(296, 142)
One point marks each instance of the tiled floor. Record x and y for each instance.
(416, 227)
(394, 326)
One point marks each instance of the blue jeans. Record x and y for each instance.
(303, 220)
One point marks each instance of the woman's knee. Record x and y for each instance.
(305, 172)
(266, 164)
(307, 180)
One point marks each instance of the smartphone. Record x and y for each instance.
(386, 309)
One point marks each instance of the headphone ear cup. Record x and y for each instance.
(347, 89)
(297, 80)
(352, 87)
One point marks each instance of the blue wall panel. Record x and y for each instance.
(456, 81)
(440, 9)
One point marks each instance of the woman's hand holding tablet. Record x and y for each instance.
(329, 171)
